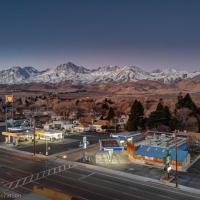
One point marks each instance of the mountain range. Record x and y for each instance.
(74, 74)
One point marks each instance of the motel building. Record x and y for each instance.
(155, 149)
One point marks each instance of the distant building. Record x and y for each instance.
(100, 125)
(17, 134)
(80, 128)
(67, 125)
(121, 121)
(50, 135)
(110, 145)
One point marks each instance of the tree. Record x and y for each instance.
(187, 102)
(160, 105)
(135, 117)
(161, 116)
(111, 114)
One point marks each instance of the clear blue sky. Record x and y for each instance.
(148, 33)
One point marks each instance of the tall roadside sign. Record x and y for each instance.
(8, 100)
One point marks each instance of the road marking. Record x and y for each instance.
(84, 177)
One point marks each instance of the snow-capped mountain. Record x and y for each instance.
(74, 74)
(17, 74)
(65, 72)
(119, 74)
(170, 75)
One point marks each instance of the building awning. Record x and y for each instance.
(12, 134)
(40, 132)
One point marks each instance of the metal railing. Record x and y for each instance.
(34, 177)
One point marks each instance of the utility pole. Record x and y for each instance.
(115, 124)
(176, 160)
(34, 150)
(46, 147)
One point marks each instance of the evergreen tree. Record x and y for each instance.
(160, 105)
(187, 102)
(135, 117)
(161, 116)
(111, 114)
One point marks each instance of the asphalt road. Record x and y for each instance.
(83, 182)
(192, 177)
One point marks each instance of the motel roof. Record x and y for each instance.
(160, 153)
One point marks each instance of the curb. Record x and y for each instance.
(132, 176)
(194, 161)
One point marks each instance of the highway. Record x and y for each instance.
(82, 182)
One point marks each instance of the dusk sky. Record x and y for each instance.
(148, 33)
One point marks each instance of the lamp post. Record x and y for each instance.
(47, 153)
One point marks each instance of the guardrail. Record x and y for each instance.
(34, 177)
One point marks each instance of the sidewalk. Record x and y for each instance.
(129, 176)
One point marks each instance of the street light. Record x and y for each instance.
(47, 153)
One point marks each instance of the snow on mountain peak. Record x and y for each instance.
(17, 74)
(69, 72)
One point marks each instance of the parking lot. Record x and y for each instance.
(70, 142)
(53, 147)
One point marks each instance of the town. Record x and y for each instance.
(99, 100)
(125, 142)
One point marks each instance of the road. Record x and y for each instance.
(83, 182)
(192, 177)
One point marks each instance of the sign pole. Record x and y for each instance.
(12, 112)
(6, 118)
(34, 150)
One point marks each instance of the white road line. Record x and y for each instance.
(84, 177)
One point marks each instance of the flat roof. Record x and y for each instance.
(162, 141)
(125, 134)
(109, 143)
(19, 129)
(160, 153)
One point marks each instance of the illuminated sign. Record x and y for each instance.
(9, 98)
